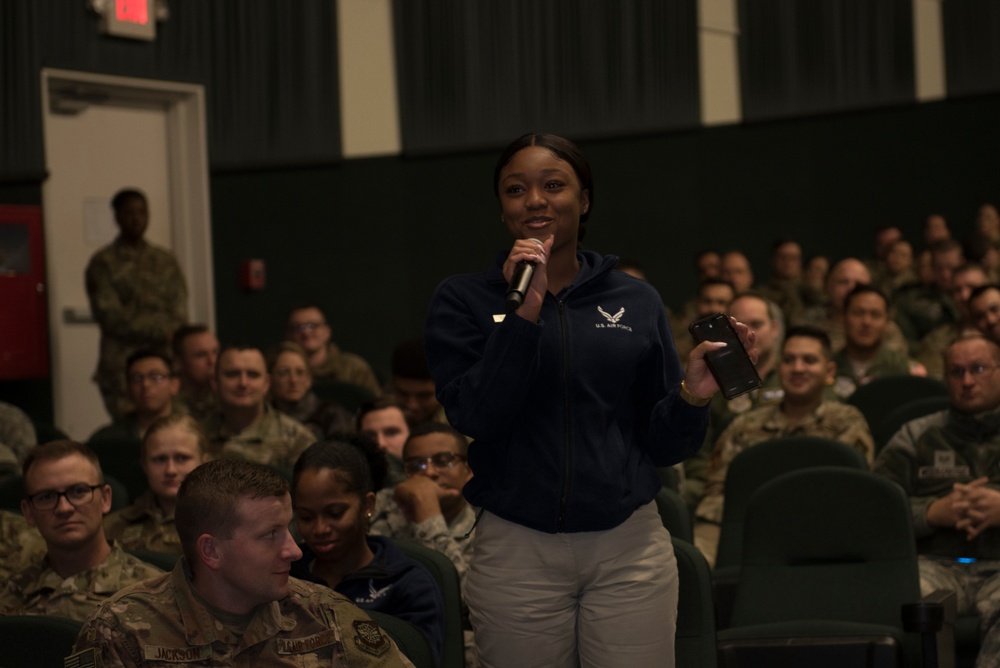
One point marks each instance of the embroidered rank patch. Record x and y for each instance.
(177, 654)
(369, 638)
(307, 644)
(85, 659)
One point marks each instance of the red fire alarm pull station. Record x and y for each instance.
(253, 275)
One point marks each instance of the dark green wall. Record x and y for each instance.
(370, 239)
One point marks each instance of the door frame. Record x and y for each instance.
(191, 231)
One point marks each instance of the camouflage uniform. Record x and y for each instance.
(885, 363)
(138, 297)
(274, 440)
(919, 309)
(927, 457)
(830, 420)
(722, 412)
(16, 431)
(143, 526)
(346, 368)
(39, 590)
(834, 328)
(934, 345)
(453, 540)
(163, 620)
(20, 544)
(199, 406)
(322, 418)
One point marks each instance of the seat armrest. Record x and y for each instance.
(933, 617)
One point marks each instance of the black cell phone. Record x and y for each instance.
(730, 366)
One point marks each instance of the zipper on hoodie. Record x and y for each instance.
(567, 453)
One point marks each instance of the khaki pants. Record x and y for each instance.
(600, 599)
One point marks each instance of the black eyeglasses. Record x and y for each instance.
(441, 460)
(154, 377)
(305, 327)
(77, 495)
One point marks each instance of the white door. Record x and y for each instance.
(96, 144)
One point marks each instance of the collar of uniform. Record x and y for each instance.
(144, 506)
(200, 627)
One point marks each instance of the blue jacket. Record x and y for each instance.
(392, 583)
(569, 416)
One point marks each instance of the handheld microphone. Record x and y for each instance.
(519, 282)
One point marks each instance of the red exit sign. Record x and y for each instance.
(132, 11)
(133, 19)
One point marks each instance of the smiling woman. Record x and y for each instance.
(573, 400)
(333, 493)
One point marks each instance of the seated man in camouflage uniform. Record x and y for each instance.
(964, 281)
(984, 311)
(805, 368)
(66, 499)
(172, 447)
(196, 350)
(229, 601)
(152, 388)
(307, 327)
(865, 355)
(947, 463)
(247, 427)
(17, 438)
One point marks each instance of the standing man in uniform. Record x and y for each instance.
(137, 296)
(229, 601)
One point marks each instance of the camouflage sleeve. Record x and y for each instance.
(727, 447)
(897, 462)
(363, 641)
(358, 372)
(16, 431)
(433, 533)
(857, 435)
(151, 321)
(104, 643)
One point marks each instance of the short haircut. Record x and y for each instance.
(774, 311)
(285, 347)
(56, 450)
(239, 348)
(124, 195)
(357, 459)
(409, 360)
(146, 353)
(715, 281)
(428, 428)
(978, 292)
(973, 336)
(302, 306)
(378, 403)
(208, 499)
(811, 332)
(181, 335)
(865, 289)
(783, 241)
(180, 421)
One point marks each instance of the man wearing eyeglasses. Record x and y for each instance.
(949, 465)
(66, 499)
(428, 507)
(152, 388)
(308, 327)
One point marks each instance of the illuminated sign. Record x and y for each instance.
(134, 19)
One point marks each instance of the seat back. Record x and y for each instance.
(694, 643)
(119, 457)
(891, 422)
(827, 543)
(410, 640)
(165, 562)
(880, 396)
(444, 573)
(757, 465)
(675, 514)
(37, 641)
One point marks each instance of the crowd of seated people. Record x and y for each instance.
(825, 326)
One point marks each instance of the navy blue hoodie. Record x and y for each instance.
(392, 583)
(569, 416)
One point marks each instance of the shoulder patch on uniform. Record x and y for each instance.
(369, 637)
(186, 654)
(85, 659)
